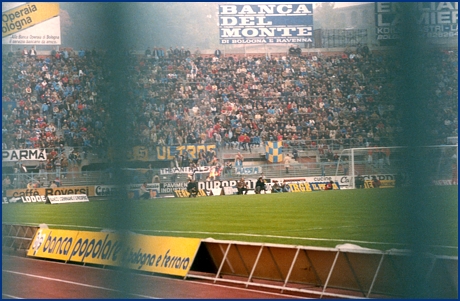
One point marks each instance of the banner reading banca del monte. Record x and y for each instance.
(265, 23)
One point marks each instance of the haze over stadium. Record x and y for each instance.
(125, 112)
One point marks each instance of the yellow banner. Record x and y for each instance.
(97, 247)
(168, 152)
(53, 244)
(67, 190)
(158, 254)
(299, 187)
(139, 153)
(27, 15)
(310, 186)
(183, 193)
(383, 184)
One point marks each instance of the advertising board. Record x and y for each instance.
(73, 198)
(265, 23)
(183, 193)
(167, 255)
(66, 190)
(169, 187)
(435, 19)
(32, 23)
(25, 199)
(52, 244)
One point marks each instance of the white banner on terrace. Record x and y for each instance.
(252, 170)
(265, 23)
(186, 170)
(14, 155)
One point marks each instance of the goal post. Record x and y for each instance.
(389, 164)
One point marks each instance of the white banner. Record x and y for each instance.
(265, 23)
(187, 170)
(252, 170)
(230, 190)
(209, 185)
(72, 198)
(23, 154)
(34, 199)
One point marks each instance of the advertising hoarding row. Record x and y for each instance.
(166, 255)
(169, 188)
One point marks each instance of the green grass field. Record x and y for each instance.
(372, 218)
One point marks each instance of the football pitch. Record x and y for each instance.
(381, 219)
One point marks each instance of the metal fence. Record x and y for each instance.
(336, 38)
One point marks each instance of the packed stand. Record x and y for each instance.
(319, 102)
(53, 102)
(180, 97)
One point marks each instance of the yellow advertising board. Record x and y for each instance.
(183, 193)
(27, 15)
(383, 184)
(52, 244)
(299, 187)
(157, 254)
(103, 248)
(311, 186)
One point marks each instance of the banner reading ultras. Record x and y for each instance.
(265, 23)
(435, 19)
(167, 255)
(33, 23)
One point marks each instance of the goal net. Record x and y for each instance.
(392, 164)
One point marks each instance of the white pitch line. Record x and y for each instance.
(75, 283)
(260, 235)
(60, 225)
(153, 276)
(271, 236)
(12, 297)
(288, 237)
(224, 286)
(251, 290)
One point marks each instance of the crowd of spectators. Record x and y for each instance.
(52, 102)
(182, 97)
(319, 101)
